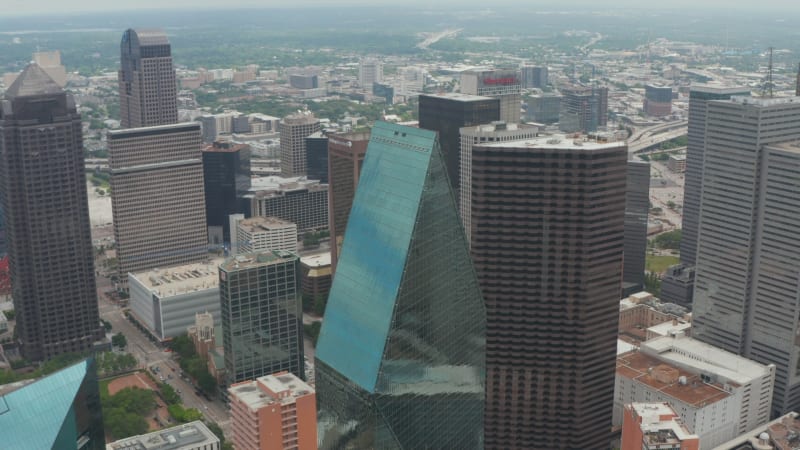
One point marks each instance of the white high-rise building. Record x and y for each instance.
(747, 282)
(369, 71)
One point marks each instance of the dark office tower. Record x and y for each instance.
(262, 329)
(345, 158)
(43, 189)
(293, 130)
(447, 114)
(637, 205)
(657, 100)
(226, 177)
(400, 359)
(583, 108)
(547, 243)
(148, 94)
(317, 157)
(748, 252)
(699, 96)
(157, 196)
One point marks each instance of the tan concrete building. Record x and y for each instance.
(259, 234)
(293, 130)
(157, 196)
(274, 412)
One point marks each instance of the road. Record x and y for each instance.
(150, 354)
(433, 38)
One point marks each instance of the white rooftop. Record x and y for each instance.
(187, 436)
(318, 260)
(668, 327)
(557, 141)
(702, 357)
(177, 280)
(255, 396)
(651, 421)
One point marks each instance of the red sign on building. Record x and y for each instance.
(500, 81)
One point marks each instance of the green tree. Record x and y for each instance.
(168, 393)
(10, 314)
(183, 346)
(184, 415)
(119, 340)
(669, 240)
(206, 381)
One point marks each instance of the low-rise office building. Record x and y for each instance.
(718, 394)
(259, 234)
(188, 436)
(166, 300)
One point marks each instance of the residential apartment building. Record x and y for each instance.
(277, 411)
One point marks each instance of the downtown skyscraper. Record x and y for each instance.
(157, 192)
(747, 282)
(400, 358)
(148, 92)
(44, 200)
(547, 231)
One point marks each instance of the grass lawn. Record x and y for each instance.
(658, 264)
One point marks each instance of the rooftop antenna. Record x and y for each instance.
(767, 90)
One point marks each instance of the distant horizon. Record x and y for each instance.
(45, 8)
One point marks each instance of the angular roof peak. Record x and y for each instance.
(33, 81)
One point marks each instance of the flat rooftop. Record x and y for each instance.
(458, 96)
(763, 101)
(661, 432)
(253, 394)
(250, 260)
(318, 260)
(667, 379)
(779, 432)
(264, 186)
(706, 358)
(189, 435)
(258, 224)
(177, 280)
(664, 329)
(557, 141)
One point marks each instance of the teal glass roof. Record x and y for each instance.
(33, 416)
(370, 268)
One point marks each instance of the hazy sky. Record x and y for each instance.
(61, 6)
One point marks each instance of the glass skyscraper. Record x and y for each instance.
(261, 315)
(400, 359)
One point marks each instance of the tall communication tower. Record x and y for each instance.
(767, 88)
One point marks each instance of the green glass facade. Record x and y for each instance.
(59, 411)
(261, 315)
(400, 361)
